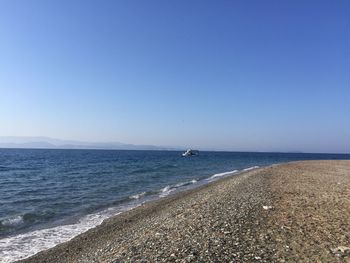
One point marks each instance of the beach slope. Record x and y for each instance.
(293, 212)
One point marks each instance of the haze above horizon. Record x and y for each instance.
(224, 75)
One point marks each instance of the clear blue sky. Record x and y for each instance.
(229, 75)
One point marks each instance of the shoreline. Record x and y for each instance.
(58, 237)
(222, 220)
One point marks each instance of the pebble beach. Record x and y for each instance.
(292, 212)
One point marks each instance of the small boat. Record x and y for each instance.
(190, 152)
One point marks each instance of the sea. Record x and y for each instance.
(50, 196)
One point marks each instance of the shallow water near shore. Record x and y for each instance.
(49, 196)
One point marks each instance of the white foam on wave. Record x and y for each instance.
(166, 191)
(222, 174)
(193, 181)
(250, 168)
(12, 221)
(138, 196)
(25, 245)
(181, 184)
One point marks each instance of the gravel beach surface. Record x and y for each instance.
(293, 212)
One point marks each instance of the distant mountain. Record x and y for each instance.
(51, 143)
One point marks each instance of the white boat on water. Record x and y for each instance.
(190, 152)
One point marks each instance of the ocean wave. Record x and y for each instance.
(138, 196)
(11, 224)
(185, 183)
(21, 246)
(250, 168)
(222, 174)
(168, 189)
(12, 221)
(165, 191)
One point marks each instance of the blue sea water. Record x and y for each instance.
(49, 196)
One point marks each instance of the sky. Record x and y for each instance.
(224, 75)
